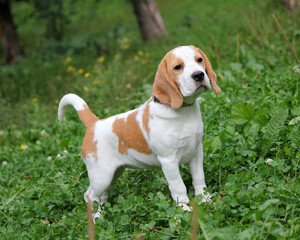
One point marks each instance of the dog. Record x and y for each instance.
(164, 132)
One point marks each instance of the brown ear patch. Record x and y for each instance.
(130, 135)
(89, 146)
(165, 87)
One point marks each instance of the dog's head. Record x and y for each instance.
(183, 74)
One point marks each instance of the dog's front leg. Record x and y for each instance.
(196, 168)
(178, 190)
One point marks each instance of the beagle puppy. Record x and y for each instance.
(164, 132)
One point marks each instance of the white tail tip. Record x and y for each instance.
(69, 99)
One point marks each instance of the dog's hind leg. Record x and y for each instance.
(104, 196)
(99, 184)
(90, 196)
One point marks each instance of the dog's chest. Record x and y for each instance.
(180, 135)
(189, 141)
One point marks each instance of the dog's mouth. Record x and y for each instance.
(202, 87)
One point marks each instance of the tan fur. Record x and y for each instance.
(87, 117)
(211, 74)
(88, 145)
(146, 118)
(130, 135)
(165, 86)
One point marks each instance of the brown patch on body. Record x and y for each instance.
(130, 135)
(146, 118)
(87, 117)
(89, 146)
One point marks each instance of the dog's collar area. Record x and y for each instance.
(156, 100)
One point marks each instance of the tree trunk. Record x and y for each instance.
(150, 21)
(292, 4)
(8, 33)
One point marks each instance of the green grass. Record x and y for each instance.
(253, 120)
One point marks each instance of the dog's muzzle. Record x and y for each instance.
(198, 76)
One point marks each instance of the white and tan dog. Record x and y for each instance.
(163, 132)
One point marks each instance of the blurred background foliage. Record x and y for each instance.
(61, 37)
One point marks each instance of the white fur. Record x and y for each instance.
(175, 137)
(69, 99)
(187, 85)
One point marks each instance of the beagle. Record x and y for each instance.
(164, 132)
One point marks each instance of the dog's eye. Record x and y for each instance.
(178, 67)
(199, 60)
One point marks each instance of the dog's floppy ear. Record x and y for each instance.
(164, 87)
(211, 74)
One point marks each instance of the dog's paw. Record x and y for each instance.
(97, 215)
(185, 206)
(206, 197)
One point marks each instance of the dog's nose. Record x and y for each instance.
(198, 76)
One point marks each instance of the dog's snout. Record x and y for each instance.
(198, 76)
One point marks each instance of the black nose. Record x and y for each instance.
(198, 76)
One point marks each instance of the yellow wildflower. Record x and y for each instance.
(87, 75)
(24, 147)
(146, 54)
(70, 69)
(34, 99)
(136, 58)
(57, 101)
(101, 59)
(125, 46)
(96, 81)
(140, 53)
(118, 56)
(68, 59)
(85, 88)
(80, 71)
(144, 62)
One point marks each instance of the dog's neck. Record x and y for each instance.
(156, 100)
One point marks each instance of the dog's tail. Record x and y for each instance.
(86, 116)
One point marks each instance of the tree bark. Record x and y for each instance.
(292, 4)
(150, 21)
(8, 33)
